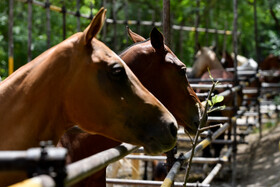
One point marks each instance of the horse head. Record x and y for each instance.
(105, 97)
(163, 74)
(205, 58)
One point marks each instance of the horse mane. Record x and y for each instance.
(123, 51)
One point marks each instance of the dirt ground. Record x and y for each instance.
(258, 163)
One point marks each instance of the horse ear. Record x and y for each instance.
(95, 25)
(134, 37)
(157, 39)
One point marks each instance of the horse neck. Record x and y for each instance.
(33, 97)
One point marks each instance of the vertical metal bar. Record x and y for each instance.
(91, 7)
(138, 21)
(206, 31)
(63, 10)
(166, 22)
(235, 49)
(48, 16)
(258, 60)
(114, 24)
(225, 37)
(181, 42)
(256, 32)
(104, 29)
(216, 38)
(166, 31)
(78, 16)
(29, 28)
(126, 18)
(11, 38)
(197, 19)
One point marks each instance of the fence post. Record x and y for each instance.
(235, 49)
(258, 60)
(78, 14)
(48, 16)
(166, 21)
(104, 29)
(29, 28)
(63, 11)
(11, 38)
(197, 19)
(138, 21)
(114, 24)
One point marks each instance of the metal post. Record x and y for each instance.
(63, 11)
(104, 29)
(181, 38)
(11, 39)
(138, 21)
(48, 16)
(29, 27)
(114, 24)
(126, 22)
(258, 60)
(197, 19)
(235, 49)
(78, 16)
(225, 38)
(166, 22)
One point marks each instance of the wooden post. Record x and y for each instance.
(29, 28)
(11, 39)
(48, 16)
(166, 22)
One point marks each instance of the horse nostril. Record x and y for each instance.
(173, 130)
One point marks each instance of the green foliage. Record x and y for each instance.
(213, 14)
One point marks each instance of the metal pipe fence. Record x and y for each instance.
(83, 168)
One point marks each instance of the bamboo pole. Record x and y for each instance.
(150, 183)
(87, 166)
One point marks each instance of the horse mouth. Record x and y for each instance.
(154, 146)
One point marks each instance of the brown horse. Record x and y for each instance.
(164, 75)
(80, 82)
(206, 58)
(271, 63)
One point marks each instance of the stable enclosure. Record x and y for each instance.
(250, 112)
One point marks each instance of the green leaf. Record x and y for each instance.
(217, 99)
(210, 103)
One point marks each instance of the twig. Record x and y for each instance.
(202, 123)
(209, 127)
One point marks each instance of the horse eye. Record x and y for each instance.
(117, 71)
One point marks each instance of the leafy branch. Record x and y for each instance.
(209, 107)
